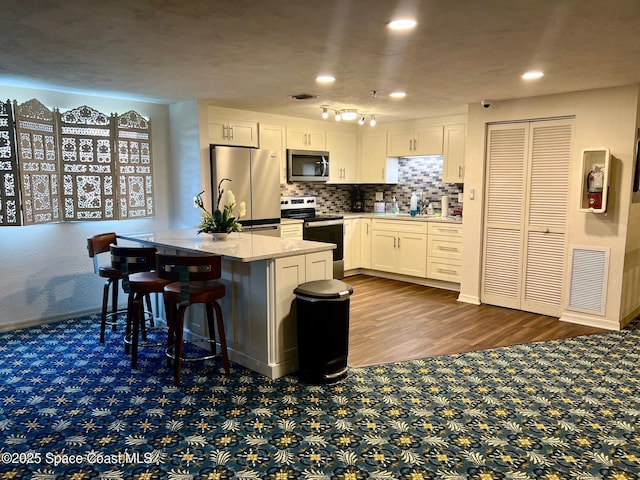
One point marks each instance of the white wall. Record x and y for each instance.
(46, 273)
(604, 117)
(631, 282)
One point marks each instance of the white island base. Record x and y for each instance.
(259, 304)
(259, 309)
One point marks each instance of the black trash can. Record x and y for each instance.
(323, 330)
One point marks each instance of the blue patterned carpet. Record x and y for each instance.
(71, 408)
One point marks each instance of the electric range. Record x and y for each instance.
(318, 228)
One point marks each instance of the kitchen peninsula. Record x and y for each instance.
(260, 274)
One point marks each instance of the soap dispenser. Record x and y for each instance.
(413, 209)
(394, 206)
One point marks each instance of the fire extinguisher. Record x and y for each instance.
(595, 186)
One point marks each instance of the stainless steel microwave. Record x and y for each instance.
(307, 166)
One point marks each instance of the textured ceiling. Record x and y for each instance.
(253, 54)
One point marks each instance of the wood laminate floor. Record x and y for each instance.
(393, 321)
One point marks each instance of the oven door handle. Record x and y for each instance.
(325, 223)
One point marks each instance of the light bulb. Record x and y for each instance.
(361, 121)
(372, 122)
(402, 24)
(338, 116)
(325, 113)
(349, 114)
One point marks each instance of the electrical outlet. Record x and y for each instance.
(379, 196)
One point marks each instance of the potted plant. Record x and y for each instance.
(223, 221)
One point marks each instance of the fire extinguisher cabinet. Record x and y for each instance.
(323, 330)
(595, 180)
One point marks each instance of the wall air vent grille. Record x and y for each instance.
(303, 96)
(588, 279)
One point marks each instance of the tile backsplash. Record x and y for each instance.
(420, 175)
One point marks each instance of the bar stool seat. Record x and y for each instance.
(142, 285)
(133, 261)
(96, 245)
(194, 280)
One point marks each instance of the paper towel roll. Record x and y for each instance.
(445, 206)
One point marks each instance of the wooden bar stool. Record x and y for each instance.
(138, 281)
(96, 245)
(194, 280)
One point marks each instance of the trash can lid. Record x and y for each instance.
(324, 289)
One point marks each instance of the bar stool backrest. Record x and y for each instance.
(188, 268)
(132, 260)
(100, 244)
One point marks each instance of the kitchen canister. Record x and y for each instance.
(445, 206)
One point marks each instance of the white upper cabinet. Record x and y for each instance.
(273, 137)
(415, 141)
(306, 137)
(343, 155)
(232, 132)
(453, 153)
(374, 166)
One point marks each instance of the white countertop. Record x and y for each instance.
(402, 216)
(242, 247)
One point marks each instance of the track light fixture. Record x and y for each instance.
(348, 114)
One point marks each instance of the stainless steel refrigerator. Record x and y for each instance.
(255, 179)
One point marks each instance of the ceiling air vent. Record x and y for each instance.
(303, 96)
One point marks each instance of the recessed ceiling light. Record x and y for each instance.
(402, 24)
(325, 78)
(397, 94)
(533, 75)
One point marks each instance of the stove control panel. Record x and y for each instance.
(288, 203)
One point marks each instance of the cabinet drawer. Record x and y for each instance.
(399, 226)
(291, 231)
(449, 229)
(444, 269)
(444, 247)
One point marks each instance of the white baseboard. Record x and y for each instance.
(603, 323)
(427, 282)
(472, 299)
(9, 326)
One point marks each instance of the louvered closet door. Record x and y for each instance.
(507, 150)
(525, 219)
(546, 219)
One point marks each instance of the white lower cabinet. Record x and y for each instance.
(280, 343)
(352, 250)
(291, 230)
(365, 242)
(444, 254)
(428, 250)
(399, 247)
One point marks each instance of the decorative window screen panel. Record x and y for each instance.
(9, 185)
(39, 163)
(134, 168)
(88, 175)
